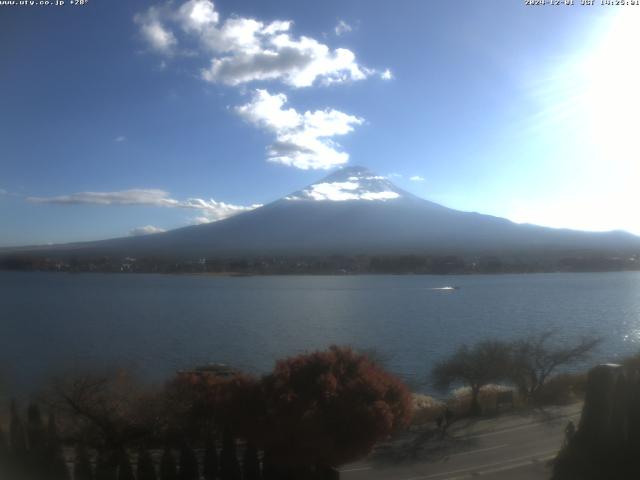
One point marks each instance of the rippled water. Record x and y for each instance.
(159, 323)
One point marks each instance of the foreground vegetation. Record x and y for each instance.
(311, 413)
(528, 364)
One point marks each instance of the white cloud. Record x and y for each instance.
(245, 50)
(120, 139)
(336, 191)
(241, 50)
(146, 230)
(387, 75)
(417, 178)
(342, 191)
(303, 140)
(154, 197)
(213, 211)
(388, 195)
(296, 62)
(159, 38)
(198, 15)
(210, 209)
(342, 27)
(200, 220)
(395, 175)
(3, 192)
(372, 177)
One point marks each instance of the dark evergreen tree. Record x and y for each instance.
(168, 469)
(269, 471)
(210, 463)
(188, 464)
(4, 455)
(18, 460)
(56, 463)
(146, 470)
(17, 437)
(251, 463)
(229, 468)
(82, 464)
(125, 471)
(35, 430)
(106, 466)
(4, 446)
(38, 460)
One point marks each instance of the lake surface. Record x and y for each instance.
(52, 322)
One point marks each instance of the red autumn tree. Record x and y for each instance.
(328, 408)
(197, 404)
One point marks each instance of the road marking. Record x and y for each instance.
(498, 432)
(357, 468)
(475, 470)
(477, 451)
(512, 429)
(505, 468)
(499, 465)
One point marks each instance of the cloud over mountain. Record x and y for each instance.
(341, 192)
(303, 140)
(135, 196)
(211, 210)
(146, 230)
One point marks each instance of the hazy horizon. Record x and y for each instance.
(319, 191)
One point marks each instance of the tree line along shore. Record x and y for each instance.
(332, 264)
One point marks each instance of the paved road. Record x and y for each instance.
(513, 447)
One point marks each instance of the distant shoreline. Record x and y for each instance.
(391, 264)
(318, 274)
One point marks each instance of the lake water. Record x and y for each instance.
(160, 323)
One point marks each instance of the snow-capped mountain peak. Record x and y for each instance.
(348, 184)
(351, 211)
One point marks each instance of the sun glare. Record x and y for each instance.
(611, 93)
(590, 105)
(611, 104)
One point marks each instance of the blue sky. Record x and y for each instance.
(119, 118)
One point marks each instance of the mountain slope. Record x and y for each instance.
(354, 211)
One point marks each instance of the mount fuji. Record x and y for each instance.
(352, 211)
